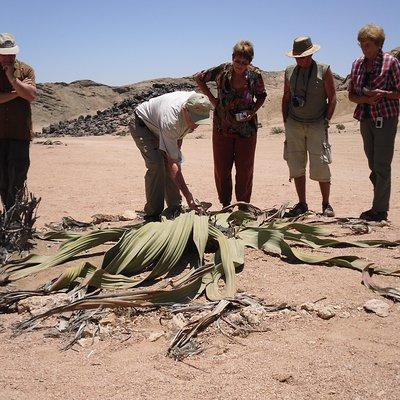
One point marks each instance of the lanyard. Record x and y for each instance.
(311, 68)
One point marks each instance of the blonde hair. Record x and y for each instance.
(245, 49)
(372, 32)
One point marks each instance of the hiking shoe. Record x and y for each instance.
(375, 216)
(298, 209)
(152, 218)
(172, 212)
(327, 210)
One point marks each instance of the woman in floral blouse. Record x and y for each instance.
(241, 93)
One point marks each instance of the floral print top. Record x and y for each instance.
(232, 101)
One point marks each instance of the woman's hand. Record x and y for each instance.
(374, 96)
(250, 116)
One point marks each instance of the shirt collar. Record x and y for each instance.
(378, 60)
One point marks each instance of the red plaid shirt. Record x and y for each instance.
(385, 76)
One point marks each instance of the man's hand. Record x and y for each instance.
(191, 203)
(28, 81)
(9, 70)
(174, 169)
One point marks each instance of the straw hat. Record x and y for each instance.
(303, 47)
(7, 44)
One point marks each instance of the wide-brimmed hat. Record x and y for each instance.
(8, 44)
(303, 47)
(199, 108)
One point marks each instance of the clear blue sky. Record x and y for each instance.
(119, 41)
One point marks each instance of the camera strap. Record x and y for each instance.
(311, 68)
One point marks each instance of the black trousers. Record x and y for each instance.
(14, 165)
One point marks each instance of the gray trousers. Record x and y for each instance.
(159, 184)
(14, 165)
(379, 148)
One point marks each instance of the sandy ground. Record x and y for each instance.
(354, 355)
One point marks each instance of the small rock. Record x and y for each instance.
(63, 325)
(253, 314)
(379, 307)
(310, 307)
(284, 378)
(345, 314)
(179, 321)
(110, 319)
(304, 313)
(155, 336)
(129, 214)
(235, 318)
(326, 312)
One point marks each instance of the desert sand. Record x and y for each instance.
(354, 355)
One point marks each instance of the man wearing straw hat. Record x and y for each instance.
(308, 103)
(17, 91)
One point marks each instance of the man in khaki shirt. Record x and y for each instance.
(17, 91)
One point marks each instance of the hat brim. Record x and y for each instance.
(200, 119)
(5, 51)
(306, 53)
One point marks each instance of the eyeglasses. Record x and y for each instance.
(366, 44)
(245, 63)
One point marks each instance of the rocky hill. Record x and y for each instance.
(85, 107)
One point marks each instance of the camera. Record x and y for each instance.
(379, 122)
(298, 101)
(241, 116)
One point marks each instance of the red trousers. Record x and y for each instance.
(228, 150)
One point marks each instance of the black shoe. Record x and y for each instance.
(172, 212)
(152, 218)
(375, 216)
(298, 209)
(327, 210)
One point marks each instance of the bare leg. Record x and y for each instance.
(300, 184)
(325, 191)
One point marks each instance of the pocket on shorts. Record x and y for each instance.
(285, 151)
(326, 155)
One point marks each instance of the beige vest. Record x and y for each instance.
(309, 84)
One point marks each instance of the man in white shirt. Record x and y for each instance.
(158, 129)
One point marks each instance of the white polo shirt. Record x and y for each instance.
(162, 115)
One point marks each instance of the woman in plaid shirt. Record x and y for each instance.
(375, 88)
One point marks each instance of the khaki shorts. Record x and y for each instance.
(307, 138)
